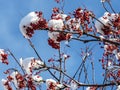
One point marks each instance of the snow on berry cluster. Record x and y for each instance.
(31, 81)
(30, 64)
(56, 26)
(109, 28)
(13, 77)
(31, 76)
(61, 27)
(32, 21)
(53, 85)
(21, 81)
(59, 22)
(3, 56)
(105, 24)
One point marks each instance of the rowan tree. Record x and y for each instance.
(65, 31)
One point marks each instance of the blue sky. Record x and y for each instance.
(12, 11)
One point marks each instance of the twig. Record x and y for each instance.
(81, 65)
(16, 61)
(78, 69)
(53, 75)
(64, 68)
(104, 7)
(85, 85)
(86, 74)
(111, 7)
(31, 44)
(94, 36)
(85, 41)
(60, 60)
(103, 40)
(93, 72)
(79, 75)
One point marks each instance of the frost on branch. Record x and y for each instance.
(3, 56)
(31, 22)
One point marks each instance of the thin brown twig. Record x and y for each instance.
(111, 7)
(60, 60)
(82, 84)
(16, 61)
(85, 41)
(86, 74)
(80, 67)
(93, 36)
(104, 7)
(93, 72)
(78, 70)
(64, 68)
(31, 44)
(103, 40)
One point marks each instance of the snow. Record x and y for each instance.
(4, 86)
(73, 24)
(48, 81)
(30, 18)
(118, 87)
(13, 75)
(26, 64)
(105, 0)
(1, 52)
(37, 79)
(54, 84)
(59, 16)
(73, 85)
(53, 36)
(117, 56)
(63, 16)
(99, 26)
(3, 56)
(56, 24)
(88, 88)
(105, 20)
(109, 63)
(30, 64)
